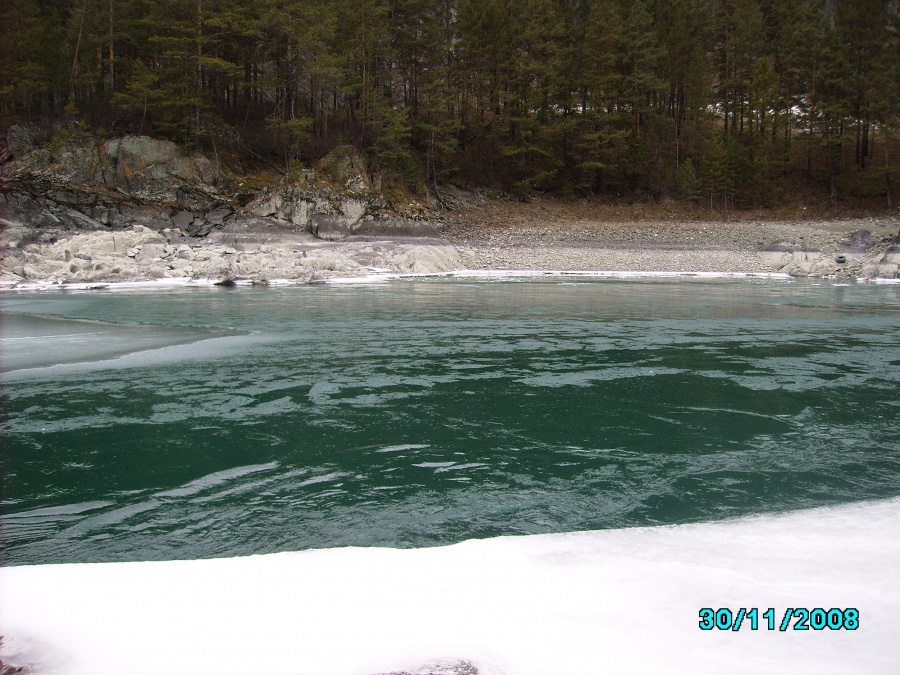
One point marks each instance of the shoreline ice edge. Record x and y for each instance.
(183, 282)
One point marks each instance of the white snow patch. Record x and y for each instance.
(365, 279)
(618, 601)
(611, 274)
(383, 275)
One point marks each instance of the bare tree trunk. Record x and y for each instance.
(865, 143)
(289, 71)
(77, 50)
(112, 55)
(198, 82)
(887, 179)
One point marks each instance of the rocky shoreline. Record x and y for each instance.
(143, 254)
(92, 212)
(850, 249)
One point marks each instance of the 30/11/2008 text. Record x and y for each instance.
(802, 619)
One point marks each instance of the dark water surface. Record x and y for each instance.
(428, 412)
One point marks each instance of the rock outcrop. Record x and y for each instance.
(887, 264)
(89, 184)
(336, 200)
(860, 255)
(138, 208)
(141, 253)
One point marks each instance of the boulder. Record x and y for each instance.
(859, 242)
(183, 219)
(329, 227)
(800, 263)
(887, 264)
(252, 231)
(331, 202)
(153, 216)
(426, 259)
(300, 214)
(339, 220)
(345, 166)
(151, 251)
(19, 139)
(217, 217)
(175, 236)
(265, 206)
(153, 168)
(396, 227)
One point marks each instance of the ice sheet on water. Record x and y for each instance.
(30, 341)
(569, 603)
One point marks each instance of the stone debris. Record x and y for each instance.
(7, 669)
(800, 249)
(461, 667)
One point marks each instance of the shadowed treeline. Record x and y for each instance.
(722, 102)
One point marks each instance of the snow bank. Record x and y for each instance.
(621, 601)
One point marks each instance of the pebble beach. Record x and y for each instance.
(677, 246)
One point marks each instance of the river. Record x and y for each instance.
(200, 423)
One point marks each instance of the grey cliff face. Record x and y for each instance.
(87, 184)
(90, 184)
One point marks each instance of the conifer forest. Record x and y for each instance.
(727, 103)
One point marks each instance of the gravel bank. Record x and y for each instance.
(799, 248)
(571, 258)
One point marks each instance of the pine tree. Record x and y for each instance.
(31, 51)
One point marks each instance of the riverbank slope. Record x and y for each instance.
(94, 211)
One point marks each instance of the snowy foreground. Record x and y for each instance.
(621, 601)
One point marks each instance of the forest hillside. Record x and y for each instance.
(724, 103)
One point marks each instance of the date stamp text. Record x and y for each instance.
(793, 618)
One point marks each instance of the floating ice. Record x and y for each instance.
(31, 341)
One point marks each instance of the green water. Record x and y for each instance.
(427, 412)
